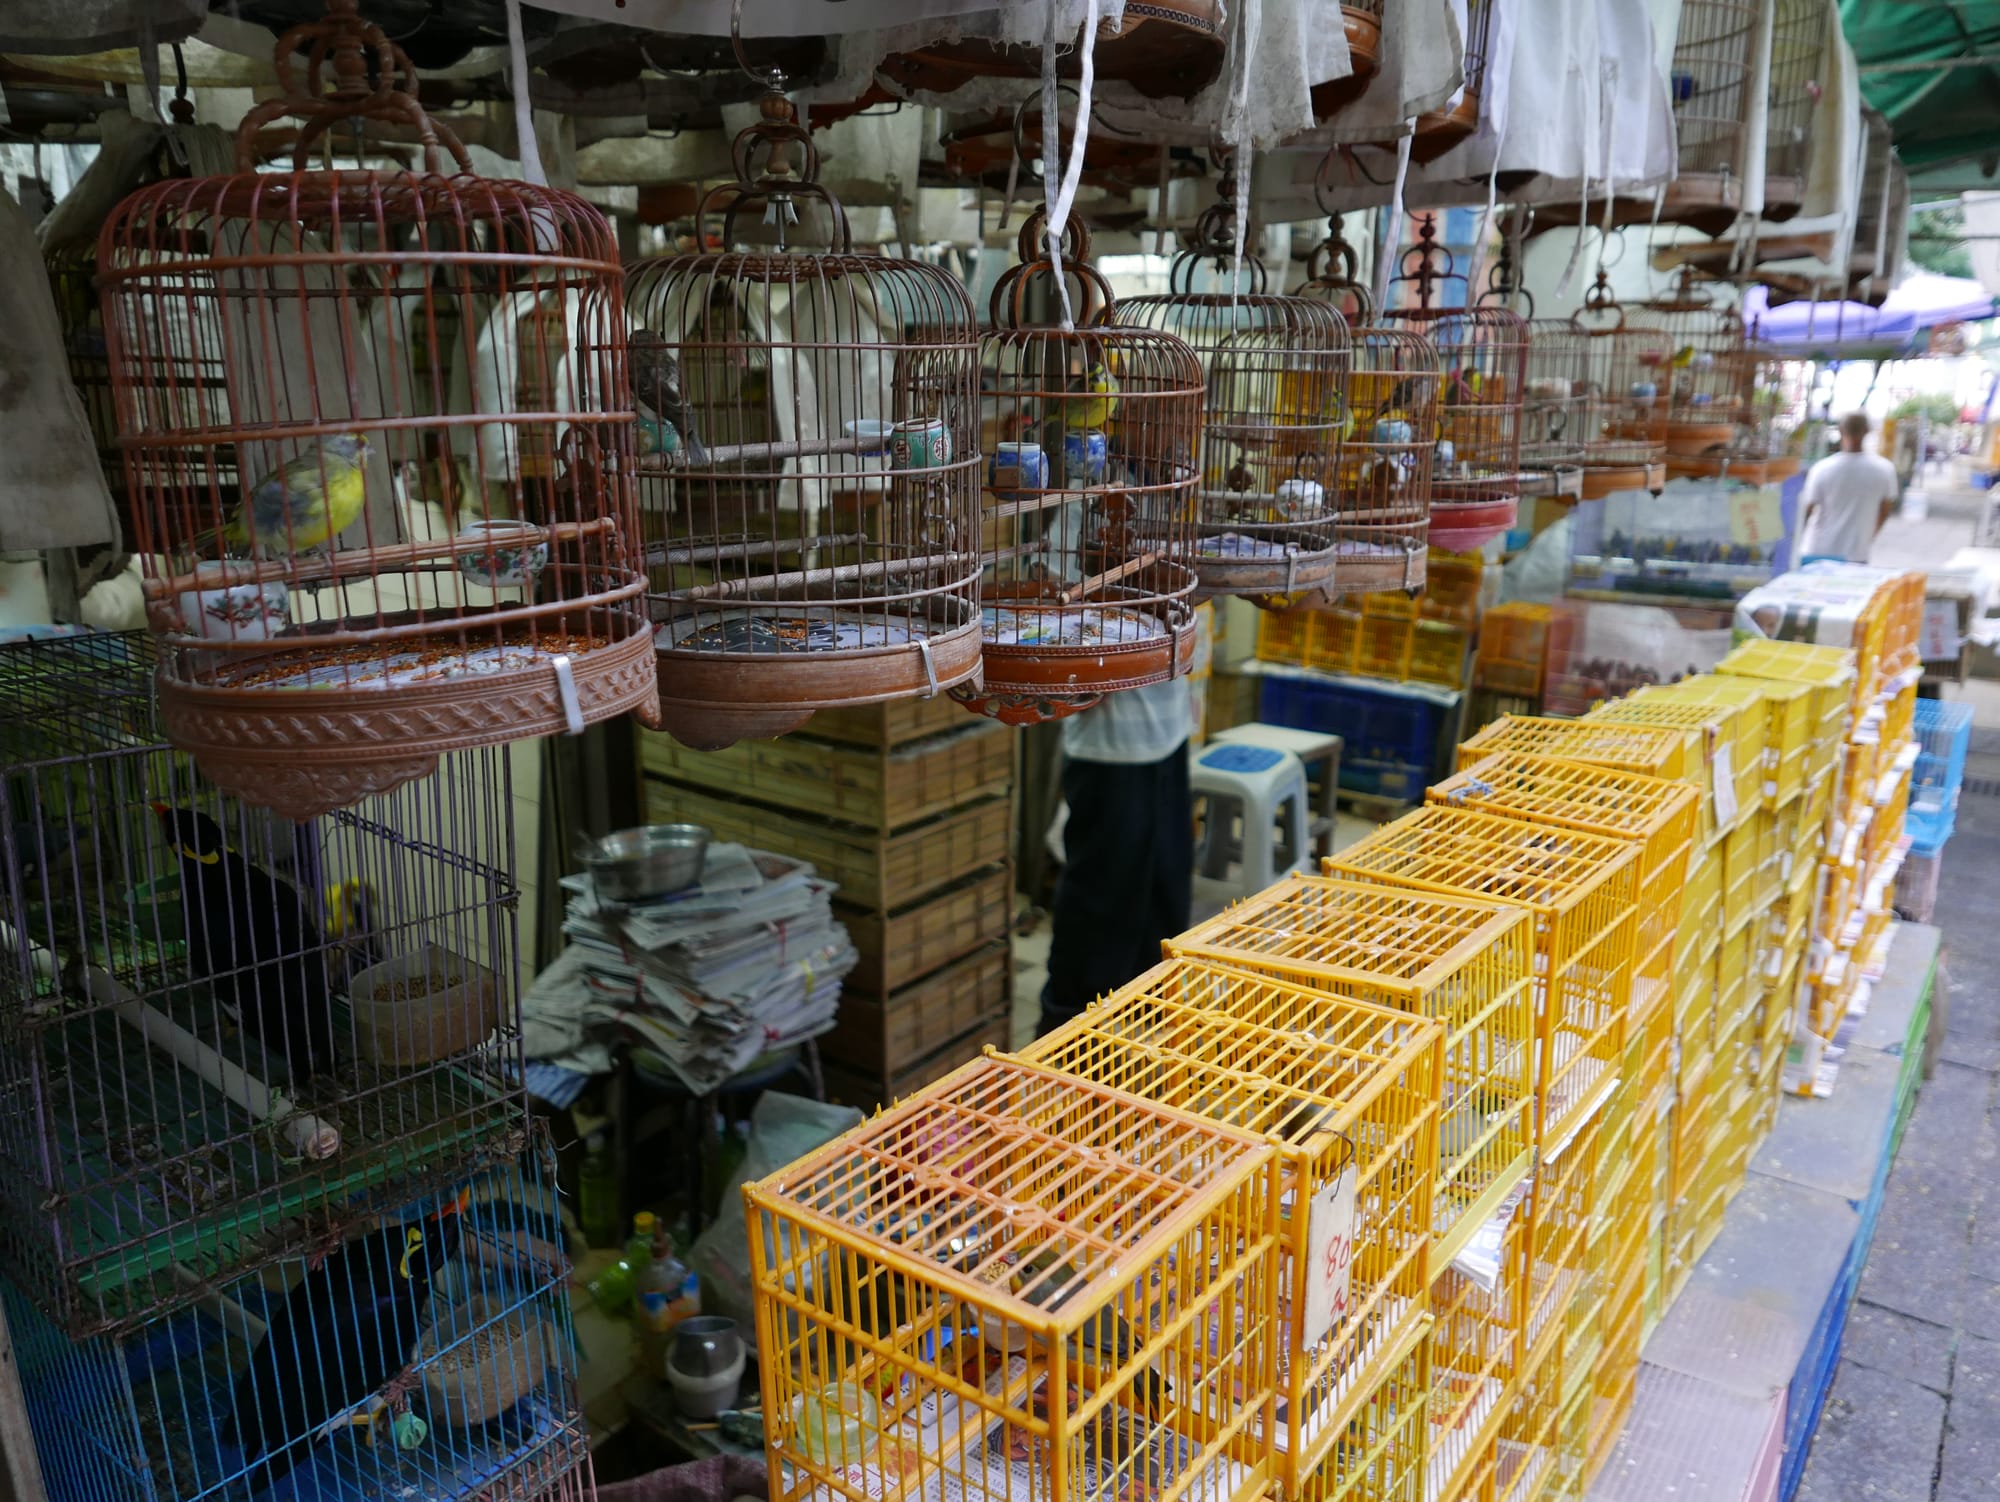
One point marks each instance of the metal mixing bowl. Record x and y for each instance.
(650, 861)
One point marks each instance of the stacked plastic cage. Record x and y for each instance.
(1382, 492)
(1276, 368)
(228, 1035)
(808, 458)
(427, 1354)
(1092, 487)
(1944, 736)
(1482, 354)
(376, 442)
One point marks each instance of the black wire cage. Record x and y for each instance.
(1277, 369)
(223, 1034)
(427, 1355)
(809, 460)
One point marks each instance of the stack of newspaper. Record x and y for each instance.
(707, 980)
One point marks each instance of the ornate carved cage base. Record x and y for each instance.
(1028, 684)
(709, 700)
(306, 751)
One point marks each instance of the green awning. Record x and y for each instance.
(1916, 68)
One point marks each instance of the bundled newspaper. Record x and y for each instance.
(708, 979)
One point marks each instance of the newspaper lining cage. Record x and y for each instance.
(430, 1355)
(229, 1035)
(1710, 78)
(1382, 492)
(1469, 964)
(809, 460)
(1623, 450)
(1346, 1091)
(1091, 493)
(1019, 1284)
(1482, 353)
(1277, 370)
(1438, 131)
(374, 439)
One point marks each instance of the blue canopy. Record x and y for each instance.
(1920, 303)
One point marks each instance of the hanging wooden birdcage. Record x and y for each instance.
(1092, 489)
(1553, 403)
(1382, 490)
(1798, 55)
(1362, 22)
(1276, 369)
(1482, 353)
(1687, 350)
(1711, 82)
(376, 442)
(1620, 451)
(1764, 445)
(1437, 131)
(810, 457)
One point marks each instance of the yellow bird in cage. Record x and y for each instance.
(1097, 399)
(306, 503)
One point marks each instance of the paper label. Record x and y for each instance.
(1329, 1256)
(1725, 786)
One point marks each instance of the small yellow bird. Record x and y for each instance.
(1683, 357)
(288, 511)
(1079, 413)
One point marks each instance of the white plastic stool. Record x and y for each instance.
(1252, 822)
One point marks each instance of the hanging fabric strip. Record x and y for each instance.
(524, 110)
(1385, 264)
(1059, 189)
(1237, 132)
(1478, 265)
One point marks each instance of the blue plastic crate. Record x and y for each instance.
(1390, 739)
(1944, 734)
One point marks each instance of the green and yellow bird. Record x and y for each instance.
(306, 503)
(1088, 403)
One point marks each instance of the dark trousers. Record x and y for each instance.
(1126, 880)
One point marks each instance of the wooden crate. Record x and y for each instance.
(899, 947)
(871, 787)
(872, 868)
(864, 1091)
(891, 724)
(883, 1038)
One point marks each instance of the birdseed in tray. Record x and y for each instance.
(768, 634)
(401, 667)
(1236, 545)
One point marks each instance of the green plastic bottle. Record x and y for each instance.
(597, 1191)
(613, 1288)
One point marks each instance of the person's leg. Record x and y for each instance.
(1171, 890)
(1101, 896)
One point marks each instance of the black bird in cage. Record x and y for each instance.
(344, 1333)
(252, 935)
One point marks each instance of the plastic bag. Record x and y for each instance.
(783, 1128)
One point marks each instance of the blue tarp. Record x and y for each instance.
(1920, 303)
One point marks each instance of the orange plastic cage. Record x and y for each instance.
(1650, 750)
(1334, 1084)
(1467, 963)
(1019, 1283)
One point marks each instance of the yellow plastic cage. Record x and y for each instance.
(1475, 1353)
(1583, 891)
(1526, 1458)
(1563, 1290)
(1380, 1455)
(1017, 1283)
(1651, 750)
(1776, 727)
(1335, 1085)
(1467, 963)
(1831, 673)
(1714, 730)
(1655, 814)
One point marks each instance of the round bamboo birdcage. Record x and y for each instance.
(1619, 451)
(1276, 369)
(1689, 350)
(1710, 80)
(377, 446)
(1482, 354)
(1553, 404)
(808, 429)
(1763, 446)
(1092, 489)
(1798, 55)
(1382, 490)
(1362, 22)
(1437, 131)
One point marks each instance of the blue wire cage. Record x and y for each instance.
(1944, 736)
(482, 1402)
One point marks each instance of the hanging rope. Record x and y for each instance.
(1059, 189)
(524, 109)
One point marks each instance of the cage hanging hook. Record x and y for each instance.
(771, 78)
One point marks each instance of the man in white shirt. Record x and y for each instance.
(1848, 496)
(1128, 848)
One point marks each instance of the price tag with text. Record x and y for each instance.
(1329, 1255)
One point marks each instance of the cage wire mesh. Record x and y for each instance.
(1763, 446)
(1276, 369)
(810, 457)
(1341, 1088)
(1624, 448)
(1092, 491)
(222, 1034)
(427, 1357)
(377, 445)
(1382, 489)
(1019, 1284)
(1553, 403)
(1482, 354)
(1798, 52)
(1710, 80)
